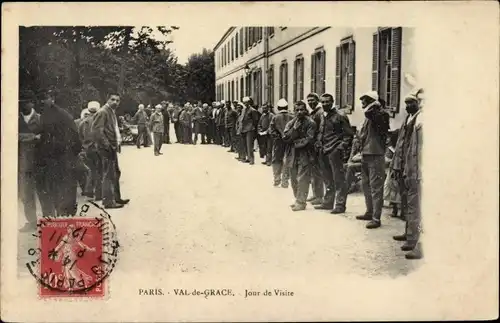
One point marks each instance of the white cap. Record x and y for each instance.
(205, 105)
(93, 106)
(246, 99)
(370, 94)
(282, 103)
(223, 102)
(141, 106)
(159, 106)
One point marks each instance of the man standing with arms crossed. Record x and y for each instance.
(317, 182)
(107, 138)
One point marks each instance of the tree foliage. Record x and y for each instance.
(85, 63)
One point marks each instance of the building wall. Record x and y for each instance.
(307, 40)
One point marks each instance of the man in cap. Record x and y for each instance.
(299, 133)
(166, 122)
(372, 139)
(57, 158)
(281, 172)
(29, 127)
(175, 119)
(266, 141)
(157, 128)
(230, 123)
(335, 141)
(239, 141)
(317, 182)
(406, 163)
(108, 139)
(220, 123)
(207, 111)
(211, 123)
(249, 120)
(186, 120)
(93, 179)
(141, 119)
(200, 124)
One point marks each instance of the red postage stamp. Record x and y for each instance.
(71, 257)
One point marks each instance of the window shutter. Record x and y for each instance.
(395, 68)
(301, 80)
(338, 72)
(375, 62)
(313, 73)
(323, 72)
(295, 79)
(351, 70)
(286, 82)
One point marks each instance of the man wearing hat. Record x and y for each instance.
(59, 148)
(281, 172)
(249, 120)
(230, 124)
(177, 126)
(335, 141)
(93, 179)
(220, 123)
(317, 182)
(266, 142)
(405, 163)
(29, 127)
(372, 140)
(141, 119)
(157, 128)
(166, 122)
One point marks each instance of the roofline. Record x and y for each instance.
(224, 37)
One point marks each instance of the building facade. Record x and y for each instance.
(269, 63)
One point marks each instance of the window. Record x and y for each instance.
(386, 66)
(259, 34)
(232, 49)
(318, 71)
(270, 31)
(270, 85)
(242, 88)
(247, 38)
(228, 52)
(284, 80)
(251, 37)
(257, 83)
(344, 74)
(236, 43)
(248, 85)
(241, 41)
(232, 91)
(236, 90)
(298, 79)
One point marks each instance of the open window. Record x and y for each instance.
(345, 74)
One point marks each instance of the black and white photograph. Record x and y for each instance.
(200, 164)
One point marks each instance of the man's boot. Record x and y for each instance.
(416, 253)
(365, 217)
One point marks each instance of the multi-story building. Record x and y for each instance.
(269, 63)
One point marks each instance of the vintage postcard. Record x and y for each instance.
(249, 161)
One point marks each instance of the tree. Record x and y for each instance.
(200, 70)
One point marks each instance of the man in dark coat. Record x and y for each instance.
(299, 133)
(56, 159)
(372, 139)
(249, 120)
(141, 119)
(281, 172)
(230, 124)
(266, 141)
(177, 125)
(210, 123)
(107, 139)
(29, 128)
(317, 183)
(199, 124)
(166, 122)
(335, 141)
(220, 123)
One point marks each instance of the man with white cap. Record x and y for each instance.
(281, 173)
(220, 123)
(372, 139)
(405, 165)
(230, 125)
(91, 158)
(141, 119)
(157, 128)
(317, 183)
(266, 143)
(249, 120)
(335, 141)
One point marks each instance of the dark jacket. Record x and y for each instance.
(337, 132)
(140, 117)
(231, 117)
(405, 133)
(175, 114)
(85, 133)
(373, 133)
(166, 117)
(318, 117)
(278, 123)
(249, 119)
(300, 135)
(264, 123)
(27, 142)
(220, 119)
(103, 129)
(59, 136)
